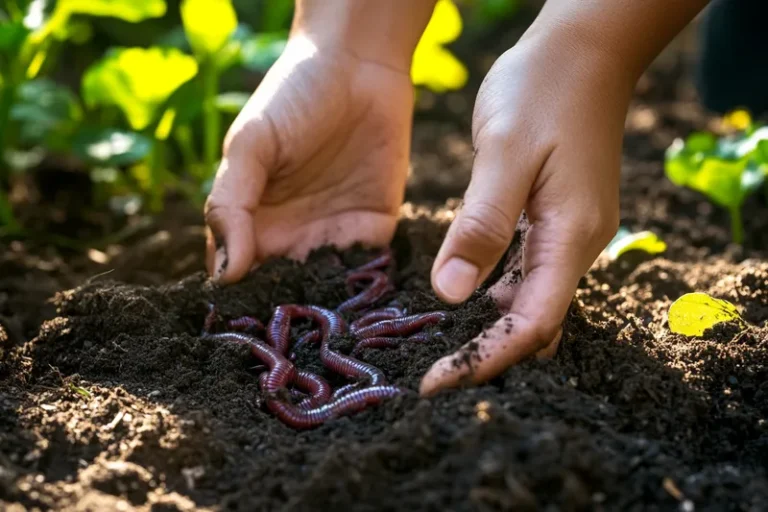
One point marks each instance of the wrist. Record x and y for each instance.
(383, 32)
(620, 36)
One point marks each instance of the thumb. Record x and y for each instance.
(229, 211)
(556, 257)
(485, 225)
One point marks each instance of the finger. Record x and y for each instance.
(484, 227)
(552, 273)
(237, 189)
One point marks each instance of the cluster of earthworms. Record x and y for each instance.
(302, 399)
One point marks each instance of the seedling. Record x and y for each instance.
(626, 241)
(694, 313)
(727, 169)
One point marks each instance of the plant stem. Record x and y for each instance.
(737, 227)
(183, 136)
(7, 98)
(211, 119)
(156, 169)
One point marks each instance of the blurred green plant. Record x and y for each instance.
(35, 111)
(149, 120)
(726, 169)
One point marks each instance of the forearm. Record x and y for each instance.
(383, 31)
(625, 35)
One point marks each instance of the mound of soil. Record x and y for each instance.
(115, 402)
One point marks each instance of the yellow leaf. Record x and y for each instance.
(646, 241)
(434, 66)
(137, 80)
(694, 313)
(208, 24)
(445, 24)
(738, 120)
(438, 69)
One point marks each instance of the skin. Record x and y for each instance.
(320, 156)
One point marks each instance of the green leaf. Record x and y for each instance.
(187, 102)
(81, 391)
(625, 241)
(128, 10)
(276, 15)
(208, 25)
(12, 37)
(110, 147)
(231, 102)
(261, 51)
(138, 81)
(761, 152)
(694, 313)
(701, 142)
(44, 109)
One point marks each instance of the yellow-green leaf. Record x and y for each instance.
(645, 241)
(694, 313)
(208, 24)
(128, 10)
(434, 66)
(138, 81)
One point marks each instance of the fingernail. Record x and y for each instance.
(220, 262)
(457, 279)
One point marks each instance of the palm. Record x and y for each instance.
(335, 158)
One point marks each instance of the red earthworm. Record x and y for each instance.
(331, 324)
(295, 393)
(343, 390)
(281, 371)
(352, 402)
(245, 324)
(378, 287)
(210, 319)
(376, 315)
(381, 342)
(378, 263)
(318, 388)
(307, 338)
(401, 326)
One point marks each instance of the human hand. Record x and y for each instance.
(547, 128)
(318, 156)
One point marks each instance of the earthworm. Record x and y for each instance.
(281, 371)
(355, 401)
(343, 390)
(381, 342)
(295, 393)
(318, 388)
(245, 324)
(383, 261)
(210, 319)
(378, 287)
(376, 315)
(401, 326)
(307, 338)
(331, 324)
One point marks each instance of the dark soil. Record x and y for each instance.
(109, 399)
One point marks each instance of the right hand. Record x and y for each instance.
(318, 156)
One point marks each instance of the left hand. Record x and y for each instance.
(547, 127)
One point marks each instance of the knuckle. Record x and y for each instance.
(485, 226)
(598, 226)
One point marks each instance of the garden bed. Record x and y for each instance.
(116, 398)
